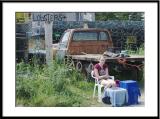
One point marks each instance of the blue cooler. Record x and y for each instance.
(133, 90)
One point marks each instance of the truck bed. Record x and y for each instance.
(95, 57)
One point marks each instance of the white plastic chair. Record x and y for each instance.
(97, 84)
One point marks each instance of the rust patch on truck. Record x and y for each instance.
(81, 41)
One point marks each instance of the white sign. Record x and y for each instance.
(48, 17)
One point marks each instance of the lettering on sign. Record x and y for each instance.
(48, 17)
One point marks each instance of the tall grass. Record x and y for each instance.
(139, 51)
(53, 85)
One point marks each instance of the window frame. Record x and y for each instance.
(98, 35)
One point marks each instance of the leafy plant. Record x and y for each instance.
(53, 85)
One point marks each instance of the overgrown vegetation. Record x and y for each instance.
(136, 51)
(53, 85)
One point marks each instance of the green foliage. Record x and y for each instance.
(104, 16)
(53, 85)
(141, 50)
(24, 88)
(138, 51)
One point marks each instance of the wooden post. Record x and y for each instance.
(48, 42)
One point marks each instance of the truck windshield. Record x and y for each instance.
(64, 40)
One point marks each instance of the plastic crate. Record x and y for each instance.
(133, 90)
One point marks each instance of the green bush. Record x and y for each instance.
(53, 85)
(25, 88)
(139, 51)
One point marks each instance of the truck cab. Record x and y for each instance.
(84, 41)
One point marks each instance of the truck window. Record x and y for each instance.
(103, 36)
(64, 40)
(83, 36)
